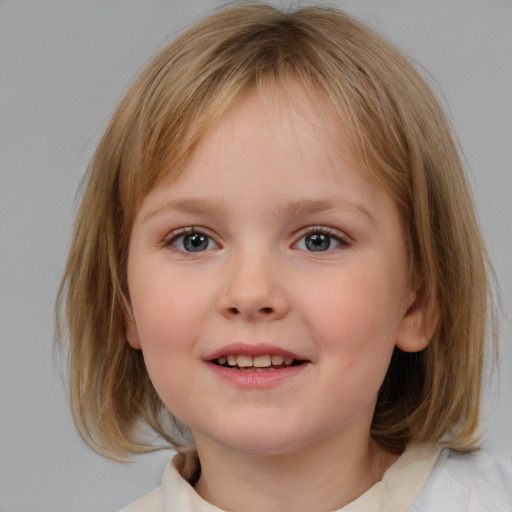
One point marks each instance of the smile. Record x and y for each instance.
(256, 365)
(262, 362)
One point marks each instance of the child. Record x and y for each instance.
(277, 253)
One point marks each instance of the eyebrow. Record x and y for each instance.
(307, 205)
(296, 207)
(188, 205)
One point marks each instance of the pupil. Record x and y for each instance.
(318, 242)
(195, 242)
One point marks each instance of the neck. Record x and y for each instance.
(328, 475)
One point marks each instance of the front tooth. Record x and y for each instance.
(288, 361)
(277, 360)
(244, 361)
(262, 361)
(232, 359)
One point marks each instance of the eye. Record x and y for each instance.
(192, 241)
(321, 240)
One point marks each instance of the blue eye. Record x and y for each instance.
(192, 242)
(319, 240)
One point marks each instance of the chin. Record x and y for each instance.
(261, 441)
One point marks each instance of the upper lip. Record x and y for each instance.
(253, 350)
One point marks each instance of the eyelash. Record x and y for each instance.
(329, 232)
(181, 233)
(332, 234)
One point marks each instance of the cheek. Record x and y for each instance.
(354, 322)
(167, 327)
(169, 306)
(167, 331)
(355, 312)
(164, 323)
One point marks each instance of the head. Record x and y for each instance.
(400, 140)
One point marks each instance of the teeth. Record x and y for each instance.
(263, 361)
(277, 360)
(244, 361)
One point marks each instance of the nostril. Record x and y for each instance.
(266, 311)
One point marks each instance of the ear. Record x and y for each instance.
(131, 331)
(418, 324)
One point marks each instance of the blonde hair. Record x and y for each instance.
(399, 128)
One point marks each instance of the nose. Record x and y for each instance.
(253, 290)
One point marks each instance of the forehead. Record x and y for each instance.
(291, 114)
(288, 143)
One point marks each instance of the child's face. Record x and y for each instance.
(269, 244)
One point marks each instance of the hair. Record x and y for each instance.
(398, 127)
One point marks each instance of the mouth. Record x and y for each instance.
(256, 365)
(259, 363)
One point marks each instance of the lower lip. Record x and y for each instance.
(257, 379)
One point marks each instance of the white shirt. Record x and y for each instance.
(425, 478)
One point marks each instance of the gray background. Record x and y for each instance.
(63, 67)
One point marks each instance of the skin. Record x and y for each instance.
(259, 183)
